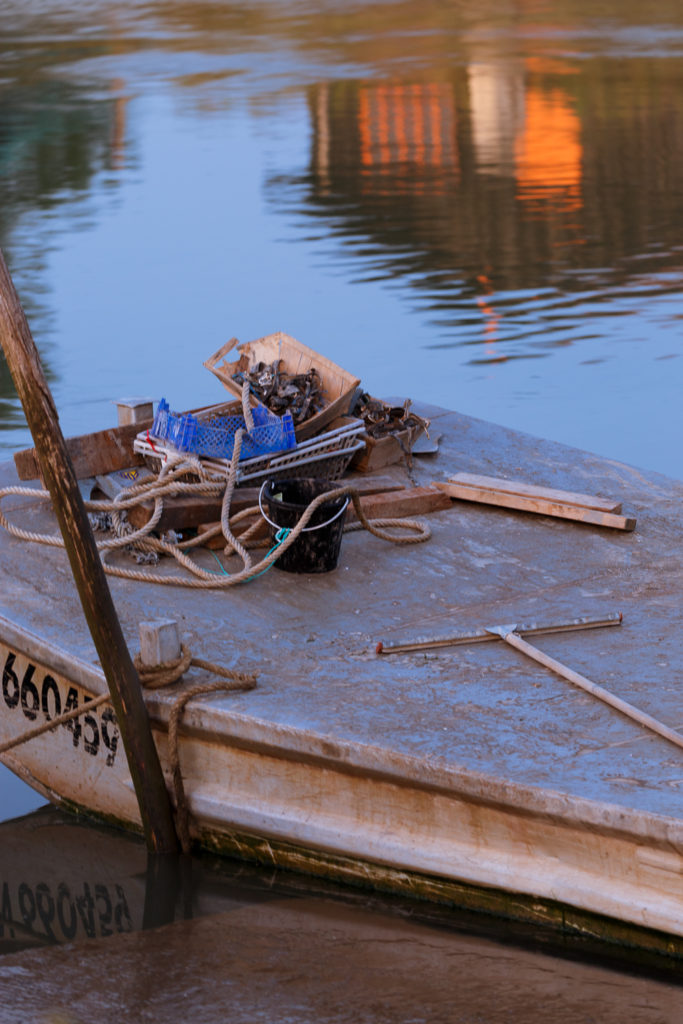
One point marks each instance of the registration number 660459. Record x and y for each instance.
(33, 692)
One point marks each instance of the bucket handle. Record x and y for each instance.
(276, 526)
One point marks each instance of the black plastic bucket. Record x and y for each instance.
(316, 549)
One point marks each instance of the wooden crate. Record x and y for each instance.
(338, 385)
(382, 451)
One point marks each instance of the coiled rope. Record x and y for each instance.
(178, 475)
(183, 474)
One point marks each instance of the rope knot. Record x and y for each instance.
(153, 677)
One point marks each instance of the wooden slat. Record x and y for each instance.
(91, 454)
(495, 483)
(411, 501)
(373, 484)
(547, 508)
(182, 512)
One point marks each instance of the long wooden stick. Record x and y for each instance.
(428, 643)
(57, 472)
(507, 634)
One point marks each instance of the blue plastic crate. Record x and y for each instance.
(214, 437)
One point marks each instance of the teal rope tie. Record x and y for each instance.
(281, 536)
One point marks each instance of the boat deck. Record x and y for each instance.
(480, 719)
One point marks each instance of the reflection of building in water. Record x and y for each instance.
(490, 315)
(391, 137)
(525, 179)
(118, 125)
(407, 137)
(406, 126)
(526, 130)
(496, 94)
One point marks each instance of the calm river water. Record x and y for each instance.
(478, 204)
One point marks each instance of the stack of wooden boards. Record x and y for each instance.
(514, 494)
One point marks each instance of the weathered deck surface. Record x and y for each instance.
(480, 710)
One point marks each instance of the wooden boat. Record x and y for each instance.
(465, 775)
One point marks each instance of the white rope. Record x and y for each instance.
(186, 474)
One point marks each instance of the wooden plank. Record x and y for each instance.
(218, 542)
(411, 501)
(91, 454)
(495, 483)
(547, 508)
(183, 512)
(180, 512)
(373, 484)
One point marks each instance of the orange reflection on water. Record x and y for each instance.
(491, 317)
(548, 151)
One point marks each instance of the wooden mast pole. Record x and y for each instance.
(93, 589)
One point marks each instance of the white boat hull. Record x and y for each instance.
(348, 811)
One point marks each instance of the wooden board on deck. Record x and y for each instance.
(410, 501)
(543, 501)
(91, 454)
(495, 483)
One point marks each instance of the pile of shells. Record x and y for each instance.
(381, 419)
(301, 394)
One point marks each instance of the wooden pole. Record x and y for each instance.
(93, 589)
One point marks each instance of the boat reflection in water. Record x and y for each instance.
(65, 879)
(313, 948)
